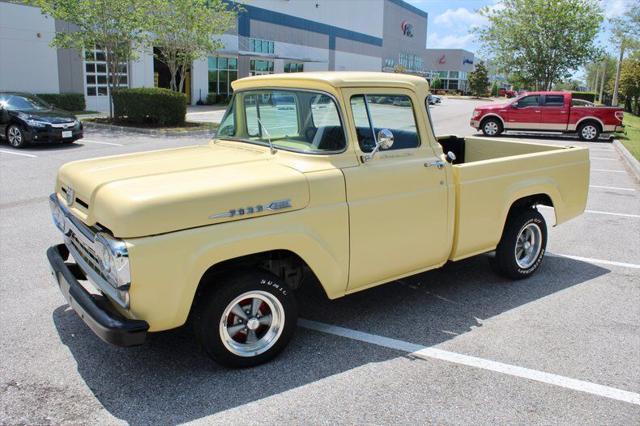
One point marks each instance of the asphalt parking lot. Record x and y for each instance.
(453, 346)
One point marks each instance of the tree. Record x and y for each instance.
(541, 40)
(494, 89)
(114, 26)
(184, 31)
(436, 83)
(630, 84)
(625, 33)
(479, 79)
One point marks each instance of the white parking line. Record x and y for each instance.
(608, 171)
(615, 188)
(613, 214)
(18, 153)
(597, 261)
(471, 361)
(603, 158)
(100, 142)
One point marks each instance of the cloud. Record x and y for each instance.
(614, 8)
(460, 16)
(434, 41)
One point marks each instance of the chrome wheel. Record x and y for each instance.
(252, 323)
(589, 132)
(491, 128)
(528, 245)
(14, 134)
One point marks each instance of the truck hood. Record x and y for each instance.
(157, 192)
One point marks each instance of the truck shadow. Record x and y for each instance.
(170, 380)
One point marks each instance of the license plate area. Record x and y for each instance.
(67, 134)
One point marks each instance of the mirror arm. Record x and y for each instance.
(369, 155)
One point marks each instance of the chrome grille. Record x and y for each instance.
(88, 254)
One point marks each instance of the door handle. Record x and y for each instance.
(537, 111)
(439, 164)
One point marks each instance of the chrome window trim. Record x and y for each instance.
(333, 98)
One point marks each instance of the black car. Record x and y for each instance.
(25, 118)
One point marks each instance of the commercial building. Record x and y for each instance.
(451, 67)
(271, 36)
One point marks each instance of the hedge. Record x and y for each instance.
(587, 96)
(66, 101)
(150, 106)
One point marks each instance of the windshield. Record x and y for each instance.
(293, 120)
(23, 103)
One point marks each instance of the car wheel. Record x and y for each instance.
(245, 318)
(15, 136)
(491, 127)
(588, 132)
(522, 245)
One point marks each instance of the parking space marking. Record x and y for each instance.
(100, 142)
(613, 214)
(4, 151)
(615, 188)
(603, 158)
(597, 261)
(425, 352)
(608, 171)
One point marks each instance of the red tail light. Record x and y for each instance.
(619, 115)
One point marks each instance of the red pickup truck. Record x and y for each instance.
(548, 112)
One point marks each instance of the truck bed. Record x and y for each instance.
(489, 175)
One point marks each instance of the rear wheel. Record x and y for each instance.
(246, 318)
(491, 127)
(589, 131)
(522, 245)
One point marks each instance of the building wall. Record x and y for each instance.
(405, 31)
(449, 60)
(27, 62)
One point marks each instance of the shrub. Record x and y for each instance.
(66, 101)
(587, 96)
(150, 106)
(212, 98)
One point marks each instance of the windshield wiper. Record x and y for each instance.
(266, 132)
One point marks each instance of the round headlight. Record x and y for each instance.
(106, 259)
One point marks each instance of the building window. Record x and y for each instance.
(261, 46)
(411, 62)
(453, 74)
(293, 67)
(259, 67)
(453, 84)
(442, 74)
(96, 75)
(222, 71)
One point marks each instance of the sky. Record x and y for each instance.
(450, 20)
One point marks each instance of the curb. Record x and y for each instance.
(155, 132)
(629, 159)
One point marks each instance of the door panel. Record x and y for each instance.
(526, 116)
(397, 206)
(555, 113)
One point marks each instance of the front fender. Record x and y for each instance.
(166, 269)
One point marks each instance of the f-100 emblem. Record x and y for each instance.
(243, 211)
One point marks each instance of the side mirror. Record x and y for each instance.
(384, 141)
(514, 105)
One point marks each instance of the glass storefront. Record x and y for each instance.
(260, 67)
(222, 71)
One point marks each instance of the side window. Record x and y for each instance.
(323, 112)
(529, 101)
(554, 100)
(373, 113)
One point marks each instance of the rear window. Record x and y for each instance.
(554, 100)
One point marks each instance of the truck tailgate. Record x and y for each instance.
(487, 188)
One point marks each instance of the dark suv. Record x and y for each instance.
(25, 118)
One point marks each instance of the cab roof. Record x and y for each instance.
(335, 79)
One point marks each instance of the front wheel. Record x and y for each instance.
(15, 136)
(491, 127)
(245, 318)
(522, 245)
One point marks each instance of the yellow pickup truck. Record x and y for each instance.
(336, 177)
